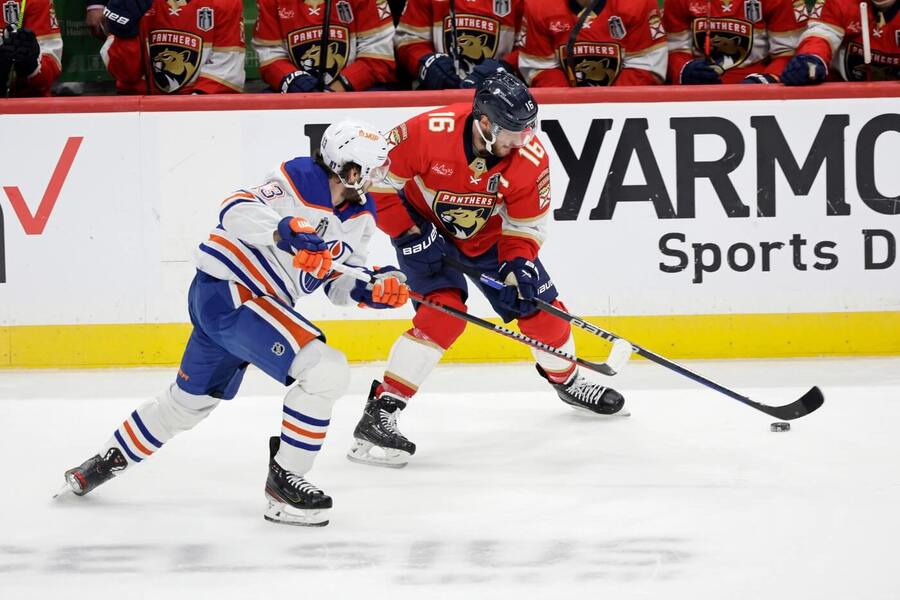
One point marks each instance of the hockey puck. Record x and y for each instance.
(780, 426)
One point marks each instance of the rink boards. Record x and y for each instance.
(731, 222)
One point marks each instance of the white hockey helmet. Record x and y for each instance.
(355, 142)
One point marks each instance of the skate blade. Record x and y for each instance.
(361, 453)
(623, 412)
(284, 514)
(63, 491)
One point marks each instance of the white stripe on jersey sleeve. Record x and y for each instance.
(226, 66)
(530, 66)
(654, 59)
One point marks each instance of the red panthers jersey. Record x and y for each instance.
(623, 45)
(288, 37)
(475, 202)
(39, 17)
(835, 35)
(183, 47)
(484, 29)
(745, 36)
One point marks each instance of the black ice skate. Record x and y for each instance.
(583, 394)
(377, 441)
(94, 471)
(292, 499)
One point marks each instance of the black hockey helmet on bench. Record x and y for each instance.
(508, 105)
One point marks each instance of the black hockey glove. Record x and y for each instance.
(760, 78)
(7, 52)
(519, 276)
(804, 69)
(299, 82)
(26, 52)
(436, 72)
(123, 17)
(488, 67)
(421, 254)
(700, 72)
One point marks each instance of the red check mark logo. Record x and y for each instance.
(34, 224)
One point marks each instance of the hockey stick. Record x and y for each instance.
(323, 45)
(454, 37)
(806, 404)
(603, 368)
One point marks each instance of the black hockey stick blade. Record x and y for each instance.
(806, 404)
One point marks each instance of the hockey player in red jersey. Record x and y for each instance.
(294, 56)
(620, 42)
(275, 244)
(175, 46)
(30, 47)
(834, 38)
(444, 54)
(474, 186)
(732, 41)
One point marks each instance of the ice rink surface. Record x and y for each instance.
(512, 494)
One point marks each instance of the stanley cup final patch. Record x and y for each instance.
(616, 28)
(205, 19)
(753, 10)
(345, 12)
(11, 12)
(502, 7)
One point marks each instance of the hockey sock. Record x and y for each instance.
(413, 356)
(155, 422)
(555, 332)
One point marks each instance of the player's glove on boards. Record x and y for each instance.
(311, 254)
(519, 276)
(804, 69)
(700, 72)
(299, 81)
(23, 51)
(760, 78)
(421, 254)
(123, 17)
(388, 290)
(436, 72)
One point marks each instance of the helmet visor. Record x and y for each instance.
(516, 139)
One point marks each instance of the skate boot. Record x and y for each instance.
(583, 394)
(377, 441)
(94, 471)
(292, 499)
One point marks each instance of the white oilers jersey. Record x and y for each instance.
(242, 247)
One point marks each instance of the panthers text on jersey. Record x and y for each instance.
(288, 37)
(39, 17)
(475, 202)
(835, 35)
(624, 45)
(242, 249)
(744, 36)
(484, 29)
(183, 47)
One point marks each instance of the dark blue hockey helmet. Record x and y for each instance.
(507, 104)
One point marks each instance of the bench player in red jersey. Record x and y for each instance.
(474, 185)
(30, 47)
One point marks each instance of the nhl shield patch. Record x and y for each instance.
(753, 10)
(463, 215)
(205, 19)
(616, 28)
(174, 58)
(11, 12)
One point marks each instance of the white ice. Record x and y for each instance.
(511, 494)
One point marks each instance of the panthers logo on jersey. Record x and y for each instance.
(174, 58)
(884, 67)
(476, 37)
(593, 63)
(463, 215)
(305, 45)
(731, 40)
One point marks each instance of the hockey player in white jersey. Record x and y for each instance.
(275, 243)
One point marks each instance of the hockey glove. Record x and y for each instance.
(760, 78)
(421, 254)
(25, 52)
(7, 52)
(436, 72)
(389, 290)
(311, 254)
(488, 67)
(700, 72)
(299, 82)
(123, 17)
(804, 69)
(519, 277)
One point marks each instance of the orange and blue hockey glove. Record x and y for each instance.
(311, 254)
(387, 290)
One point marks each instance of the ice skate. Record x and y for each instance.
(92, 472)
(377, 441)
(586, 395)
(292, 499)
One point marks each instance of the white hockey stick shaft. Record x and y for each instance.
(866, 32)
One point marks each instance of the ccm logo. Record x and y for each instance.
(114, 17)
(421, 245)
